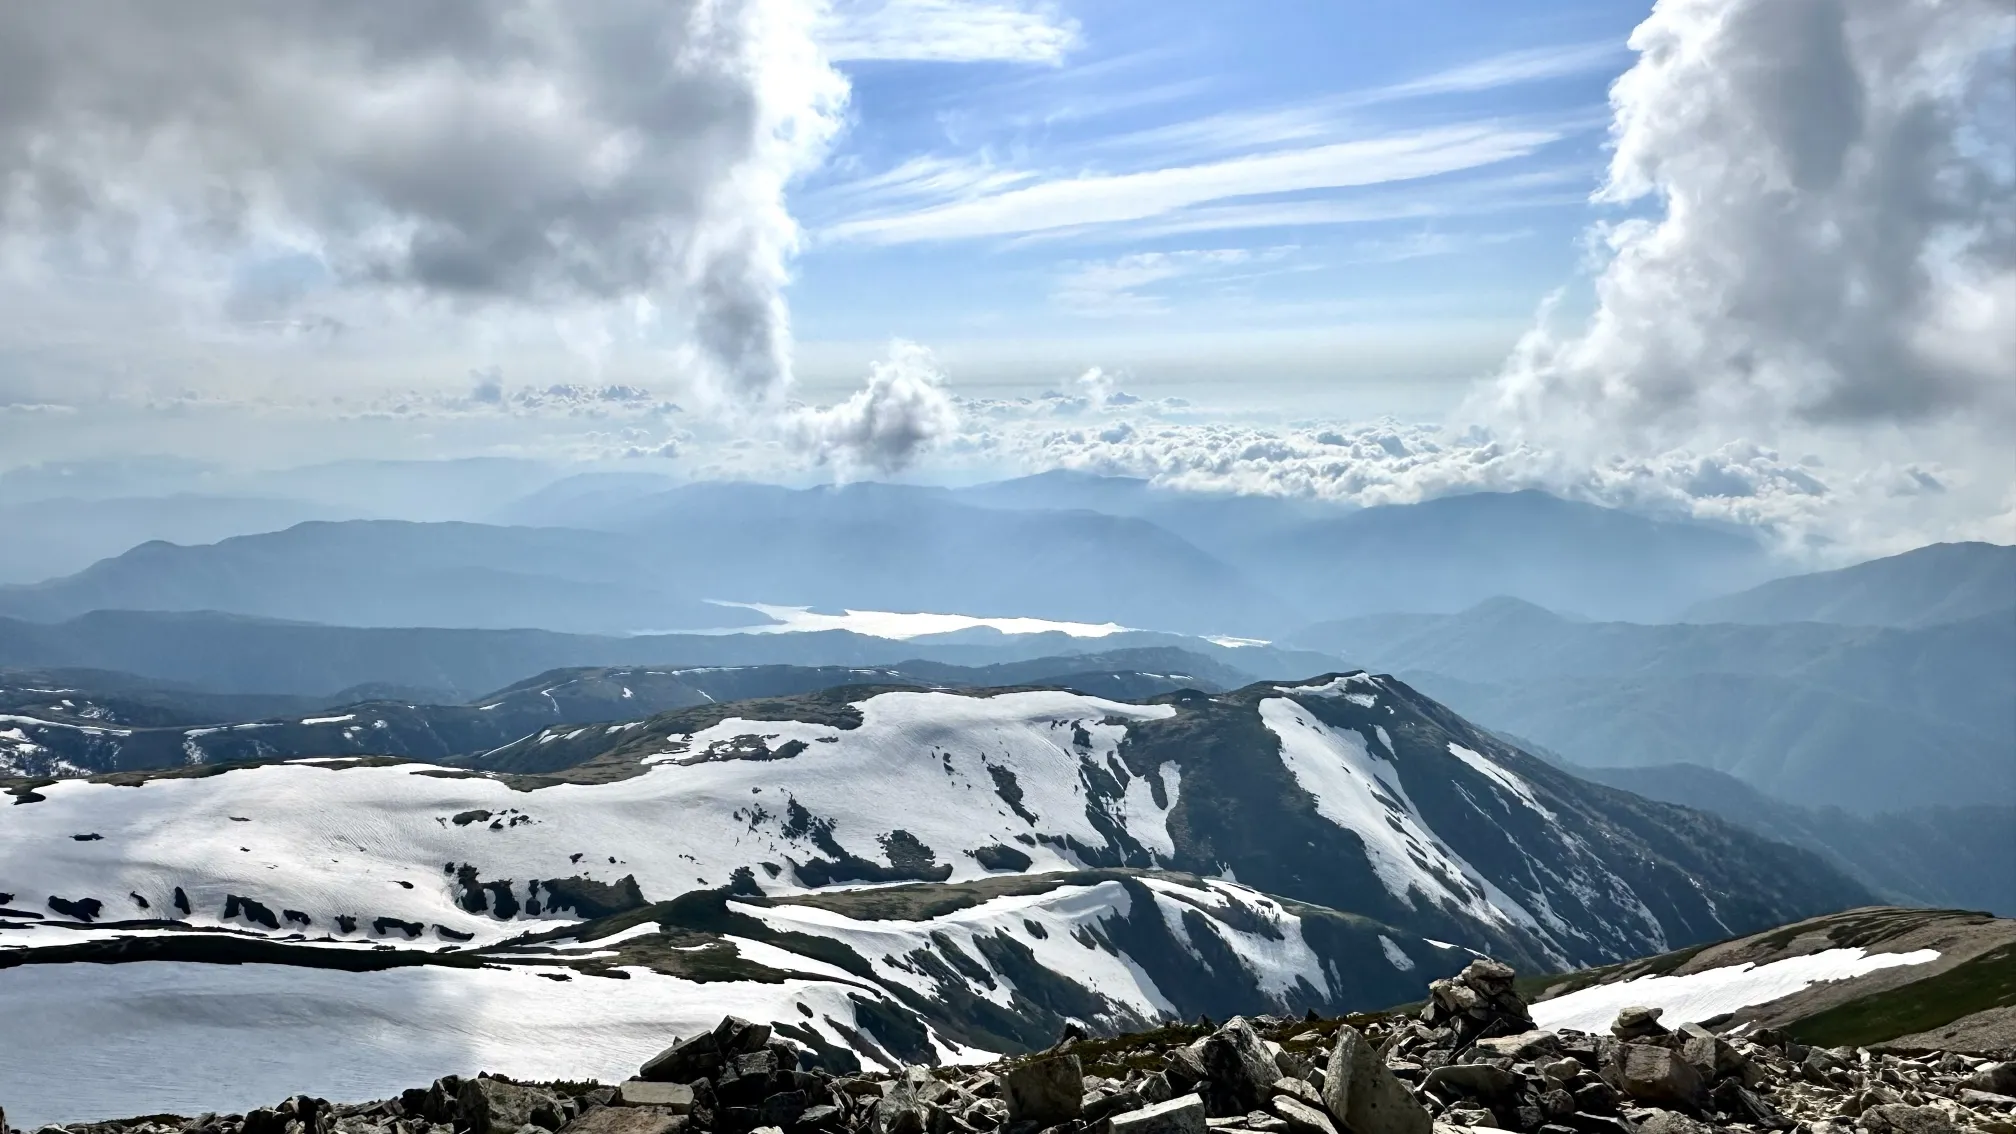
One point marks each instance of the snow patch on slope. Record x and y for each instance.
(1359, 791)
(1715, 992)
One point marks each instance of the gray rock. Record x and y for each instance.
(1301, 1117)
(1638, 1022)
(1105, 1104)
(1473, 1080)
(1896, 1118)
(1712, 1055)
(824, 1116)
(1669, 1122)
(1995, 1078)
(696, 1057)
(627, 1120)
(1361, 1093)
(1238, 1070)
(265, 1120)
(1526, 1047)
(1560, 1071)
(1297, 1089)
(493, 1106)
(1182, 1115)
(1045, 1091)
(675, 1097)
(1658, 1076)
(899, 1111)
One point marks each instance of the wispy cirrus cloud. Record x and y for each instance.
(1125, 285)
(1536, 64)
(948, 31)
(1118, 198)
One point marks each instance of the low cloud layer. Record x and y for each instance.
(1829, 237)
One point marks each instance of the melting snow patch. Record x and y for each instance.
(1400, 960)
(1499, 776)
(1705, 995)
(329, 720)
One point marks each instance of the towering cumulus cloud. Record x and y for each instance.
(1831, 238)
(618, 164)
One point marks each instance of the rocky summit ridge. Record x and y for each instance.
(1469, 1057)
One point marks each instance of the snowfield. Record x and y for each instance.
(341, 839)
(1715, 992)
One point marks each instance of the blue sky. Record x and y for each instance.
(1214, 173)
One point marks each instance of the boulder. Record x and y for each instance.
(696, 1057)
(1301, 1117)
(1994, 1078)
(737, 1036)
(1638, 1022)
(627, 1120)
(1298, 1089)
(1897, 1118)
(1239, 1071)
(1486, 1081)
(1045, 1091)
(1669, 1122)
(824, 1116)
(1658, 1076)
(1361, 1093)
(675, 1097)
(493, 1106)
(1181, 1115)
(1710, 1054)
(899, 1111)
(1526, 1047)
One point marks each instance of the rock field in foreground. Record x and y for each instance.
(1470, 1058)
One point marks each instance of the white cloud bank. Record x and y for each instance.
(1833, 238)
(597, 174)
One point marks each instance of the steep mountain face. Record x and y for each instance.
(1946, 582)
(1955, 857)
(1807, 712)
(1352, 792)
(50, 729)
(225, 653)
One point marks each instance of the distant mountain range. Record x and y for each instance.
(604, 558)
(1861, 717)
(1946, 582)
(86, 722)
